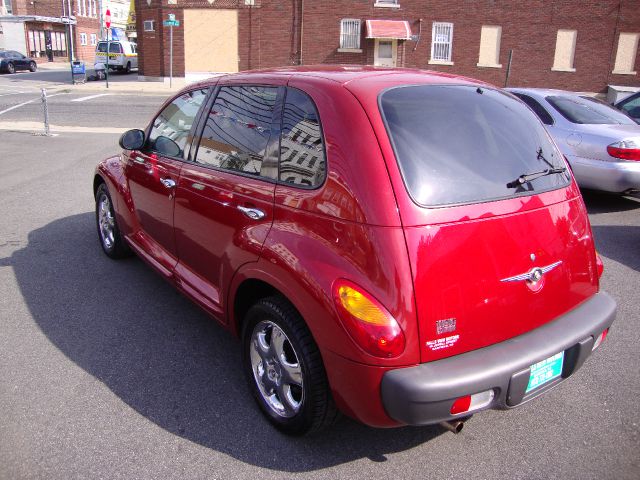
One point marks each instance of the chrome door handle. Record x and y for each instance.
(138, 159)
(167, 182)
(252, 213)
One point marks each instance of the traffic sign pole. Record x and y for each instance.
(107, 23)
(171, 22)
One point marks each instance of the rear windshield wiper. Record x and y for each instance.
(527, 177)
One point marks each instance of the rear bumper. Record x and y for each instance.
(424, 394)
(615, 177)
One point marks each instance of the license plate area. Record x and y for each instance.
(545, 371)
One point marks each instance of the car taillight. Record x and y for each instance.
(625, 149)
(370, 325)
(600, 339)
(470, 403)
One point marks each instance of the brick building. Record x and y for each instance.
(41, 28)
(573, 44)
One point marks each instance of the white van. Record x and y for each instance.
(123, 55)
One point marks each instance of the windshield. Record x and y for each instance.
(588, 111)
(463, 144)
(3, 55)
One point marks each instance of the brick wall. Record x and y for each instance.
(270, 32)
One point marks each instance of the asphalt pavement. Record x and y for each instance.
(107, 372)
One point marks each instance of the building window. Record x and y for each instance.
(490, 46)
(350, 34)
(565, 51)
(387, 3)
(441, 42)
(8, 7)
(94, 39)
(83, 39)
(148, 26)
(626, 54)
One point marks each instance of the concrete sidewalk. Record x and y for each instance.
(118, 82)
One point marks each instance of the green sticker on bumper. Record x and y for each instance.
(545, 371)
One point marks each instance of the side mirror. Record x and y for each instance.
(132, 139)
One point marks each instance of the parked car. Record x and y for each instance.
(123, 56)
(630, 106)
(406, 247)
(12, 61)
(601, 143)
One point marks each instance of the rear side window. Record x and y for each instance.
(302, 157)
(170, 130)
(237, 129)
(591, 111)
(539, 110)
(102, 47)
(115, 48)
(463, 144)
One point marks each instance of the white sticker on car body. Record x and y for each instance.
(441, 343)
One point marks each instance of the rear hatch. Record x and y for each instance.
(498, 236)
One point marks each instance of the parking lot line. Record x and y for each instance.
(3, 94)
(82, 99)
(28, 102)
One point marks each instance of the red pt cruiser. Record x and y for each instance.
(406, 247)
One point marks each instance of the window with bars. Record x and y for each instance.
(441, 42)
(350, 33)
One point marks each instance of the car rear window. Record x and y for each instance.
(588, 111)
(102, 47)
(460, 144)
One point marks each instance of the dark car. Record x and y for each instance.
(406, 247)
(631, 106)
(12, 61)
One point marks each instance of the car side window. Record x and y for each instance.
(170, 130)
(302, 157)
(237, 129)
(536, 107)
(632, 107)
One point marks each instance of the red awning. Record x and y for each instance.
(399, 29)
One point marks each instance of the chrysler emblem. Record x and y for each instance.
(534, 275)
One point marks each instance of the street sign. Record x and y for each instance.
(107, 18)
(171, 23)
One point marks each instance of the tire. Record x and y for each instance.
(127, 69)
(11, 68)
(32, 66)
(286, 376)
(109, 235)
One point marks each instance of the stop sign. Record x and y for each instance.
(107, 18)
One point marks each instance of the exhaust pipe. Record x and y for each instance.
(454, 426)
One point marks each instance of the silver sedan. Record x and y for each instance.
(601, 143)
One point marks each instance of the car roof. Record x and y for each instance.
(349, 74)
(544, 92)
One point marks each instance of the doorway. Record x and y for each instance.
(47, 43)
(385, 52)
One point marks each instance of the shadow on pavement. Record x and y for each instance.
(602, 202)
(164, 357)
(619, 242)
